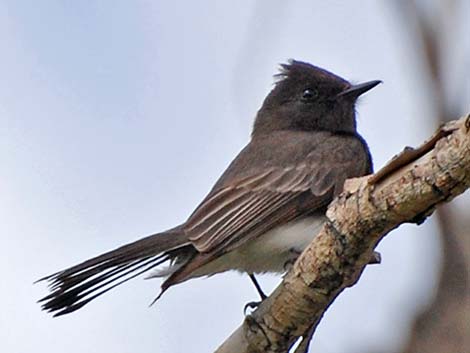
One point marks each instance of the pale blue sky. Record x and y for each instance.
(117, 117)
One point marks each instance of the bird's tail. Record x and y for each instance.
(76, 286)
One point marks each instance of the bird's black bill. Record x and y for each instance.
(356, 90)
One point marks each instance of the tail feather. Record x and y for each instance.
(76, 286)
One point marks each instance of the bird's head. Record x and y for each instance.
(308, 98)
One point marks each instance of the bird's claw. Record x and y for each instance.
(251, 305)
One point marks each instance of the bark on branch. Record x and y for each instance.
(407, 189)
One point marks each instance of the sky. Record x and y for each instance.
(117, 117)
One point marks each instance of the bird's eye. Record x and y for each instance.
(309, 94)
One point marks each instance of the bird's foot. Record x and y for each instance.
(293, 258)
(251, 305)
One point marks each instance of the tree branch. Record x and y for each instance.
(405, 190)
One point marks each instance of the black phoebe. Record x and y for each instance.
(265, 208)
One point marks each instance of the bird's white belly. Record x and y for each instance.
(271, 251)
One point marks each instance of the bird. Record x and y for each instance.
(263, 211)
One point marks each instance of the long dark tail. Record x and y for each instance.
(76, 286)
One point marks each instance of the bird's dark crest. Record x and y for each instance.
(299, 70)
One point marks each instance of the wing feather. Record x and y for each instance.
(247, 201)
(244, 218)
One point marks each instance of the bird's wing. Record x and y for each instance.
(241, 207)
(249, 205)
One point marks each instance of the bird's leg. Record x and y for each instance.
(257, 286)
(253, 305)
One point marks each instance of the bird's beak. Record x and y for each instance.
(356, 90)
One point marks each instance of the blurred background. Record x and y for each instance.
(117, 117)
